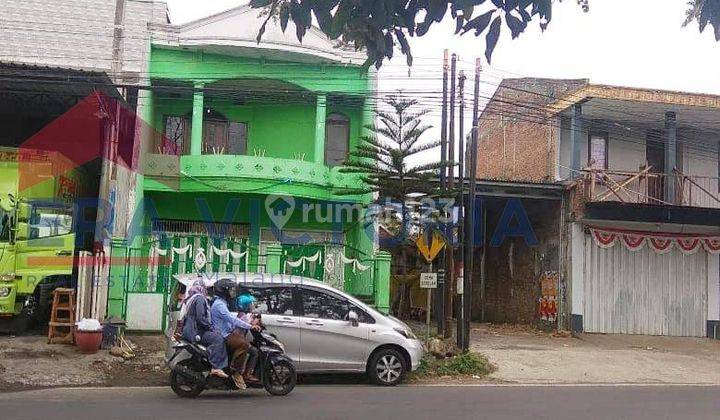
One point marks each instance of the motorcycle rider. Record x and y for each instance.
(195, 317)
(246, 306)
(231, 328)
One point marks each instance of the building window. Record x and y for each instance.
(176, 137)
(223, 137)
(237, 138)
(337, 138)
(220, 136)
(598, 150)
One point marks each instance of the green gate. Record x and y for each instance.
(142, 277)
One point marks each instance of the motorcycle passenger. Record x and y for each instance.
(195, 316)
(232, 329)
(246, 306)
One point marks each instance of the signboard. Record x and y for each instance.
(441, 275)
(428, 280)
(432, 249)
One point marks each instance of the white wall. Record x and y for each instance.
(700, 157)
(625, 154)
(577, 268)
(564, 151)
(701, 165)
(713, 294)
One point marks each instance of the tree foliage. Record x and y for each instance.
(380, 25)
(383, 159)
(704, 12)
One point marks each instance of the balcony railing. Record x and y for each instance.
(228, 172)
(648, 187)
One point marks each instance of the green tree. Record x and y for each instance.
(385, 160)
(384, 154)
(379, 25)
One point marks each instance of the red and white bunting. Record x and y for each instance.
(712, 245)
(658, 242)
(633, 242)
(604, 239)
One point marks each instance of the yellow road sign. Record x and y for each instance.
(431, 250)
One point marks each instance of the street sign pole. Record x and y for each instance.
(427, 314)
(428, 281)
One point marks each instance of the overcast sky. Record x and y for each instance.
(637, 43)
(634, 43)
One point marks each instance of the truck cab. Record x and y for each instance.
(37, 247)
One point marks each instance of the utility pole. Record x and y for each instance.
(449, 231)
(460, 200)
(470, 215)
(440, 291)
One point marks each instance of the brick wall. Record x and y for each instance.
(517, 140)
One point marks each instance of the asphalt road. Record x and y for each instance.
(366, 402)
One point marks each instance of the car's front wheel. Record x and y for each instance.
(387, 367)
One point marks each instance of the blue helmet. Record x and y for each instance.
(245, 300)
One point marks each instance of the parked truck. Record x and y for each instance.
(38, 244)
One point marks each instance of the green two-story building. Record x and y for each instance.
(240, 149)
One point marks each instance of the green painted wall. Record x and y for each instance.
(198, 66)
(282, 129)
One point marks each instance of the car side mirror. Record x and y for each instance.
(353, 318)
(23, 212)
(23, 232)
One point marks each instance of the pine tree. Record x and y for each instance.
(384, 160)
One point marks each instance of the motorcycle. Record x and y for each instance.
(191, 375)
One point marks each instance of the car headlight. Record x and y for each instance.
(4, 292)
(407, 333)
(7, 277)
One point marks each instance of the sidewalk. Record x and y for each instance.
(523, 355)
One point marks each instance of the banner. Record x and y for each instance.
(661, 243)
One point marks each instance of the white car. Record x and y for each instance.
(325, 330)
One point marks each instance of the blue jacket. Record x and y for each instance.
(223, 320)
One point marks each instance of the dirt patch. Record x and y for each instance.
(523, 354)
(29, 354)
(28, 362)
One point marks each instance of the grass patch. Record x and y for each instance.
(466, 364)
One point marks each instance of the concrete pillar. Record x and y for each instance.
(273, 260)
(381, 287)
(670, 156)
(368, 116)
(320, 117)
(576, 139)
(197, 120)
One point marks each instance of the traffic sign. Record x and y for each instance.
(428, 280)
(431, 250)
